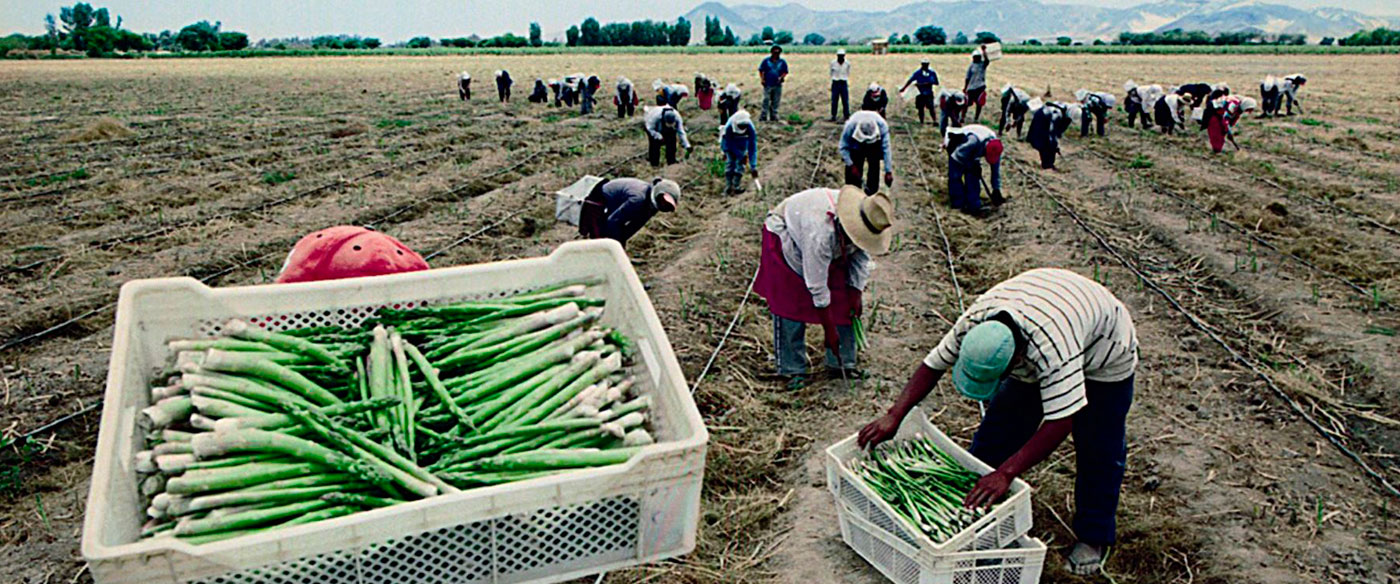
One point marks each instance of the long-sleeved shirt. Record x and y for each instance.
(1291, 84)
(656, 119)
(840, 71)
(875, 101)
(849, 142)
(976, 75)
(772, 71)
(1048, 123)
(740, 145)
(1074, 329)
(806, 225)
(974, 148)
(627, 207)
(924, 79)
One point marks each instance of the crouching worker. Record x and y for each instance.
(813, 268)
(540, 94)
(1096, 105)
(347, 251)
(876, 99)
(464, 86)
(1048, 124)
(738, 139)
(865, 143)
(617, 209)
(1055, 353)
(966, 148)
(729, 102)
(664, 128)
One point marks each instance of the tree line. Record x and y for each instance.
(639, 33)
(1178, 36)
(94, 31)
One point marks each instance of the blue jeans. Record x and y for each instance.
(790, 347)
(965, 186)
(1100, 445)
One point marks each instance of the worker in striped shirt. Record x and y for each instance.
(1054, 353)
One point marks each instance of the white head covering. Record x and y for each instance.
(656, 85)
(624, 82)
(1269, 82)
(1074, 111)
(1129, 85)
(1035, 103)
(1248, 103)
(466, 75)
(1108, 98)
(499, 72)
(874, 86)
(1081, 94)
(739, 123)
(840, 51)
(731, 89)
(866, 131)
(680, 89)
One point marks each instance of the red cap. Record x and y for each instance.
(346, 251)
(994, 151)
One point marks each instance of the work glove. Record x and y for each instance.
(831, 339)
(889, 178)
(857, 305)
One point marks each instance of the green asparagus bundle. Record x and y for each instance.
(923, 484)
(257, 430)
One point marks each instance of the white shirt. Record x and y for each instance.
(1075, 330)
(840, 71)
(651, 120)
(806, 225)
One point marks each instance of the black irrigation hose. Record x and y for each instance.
(1156, 188)
(938, 221)
(1234, 354)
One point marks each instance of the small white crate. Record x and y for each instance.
(1006, 522)
(1020, 562)
(544, 530)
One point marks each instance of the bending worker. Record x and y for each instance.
(1015, 102)
(1055, 353)
(966, 147)
(813, 268)
(540, 93)
(738, 139)
(626, 98)
(464, 86)
(923, 79)
(664, 128)
(952, 106)
(617, 209)
(729, 102)
(1096, 105)
(1048, 124)
(865, 142)
(503, 83)
(876, 99)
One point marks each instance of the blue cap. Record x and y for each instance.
(984, 356)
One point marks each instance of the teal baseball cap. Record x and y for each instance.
(984, 356)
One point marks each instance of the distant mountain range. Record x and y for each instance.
(1015, 20)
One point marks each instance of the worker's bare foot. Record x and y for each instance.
(1085, 559)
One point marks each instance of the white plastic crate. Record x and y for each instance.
(1006, 522)
(543, 530)
(1020, 562)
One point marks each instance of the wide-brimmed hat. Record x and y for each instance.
(868, 220)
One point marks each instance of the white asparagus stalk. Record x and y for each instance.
(174, 463)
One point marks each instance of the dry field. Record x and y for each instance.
(1264, 282)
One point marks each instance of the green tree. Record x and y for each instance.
(813, 38)
(536, 35)
(590, 33)
(680, 34)
(756, 40)
(1099, 42)
(782, 37)
(729, 39)
(420, 42)
(76, 20)
(571, 36)
(714, 33)
(370, 43)
(960, 38)
(1327, 41)
(99, 40)
(984, 37)
(101, 17)
(1031, 42)
(233, 41)
(130, 41)
(200, 36)
(766, 35)
(931, 35)
(1064, 41)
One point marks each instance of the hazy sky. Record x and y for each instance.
(393, 21)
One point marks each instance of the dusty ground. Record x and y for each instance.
(1286, 252)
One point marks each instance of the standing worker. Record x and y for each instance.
(626, 98)
(1291, 85)
(540, 93)
(840, 85)
(617, 209)
(966, 148)
(1015, 103)
(664, 128)
(1048, 123)
(865, 142)
(729, 102)
(1096, 105)
(975, 83)
(704, 91)
(1055, 353)
(876, 99)
(738, 139)
(503, 83)
(952, 106)
(773, 73)
(923, 79)
(464, 86)
(813, 268)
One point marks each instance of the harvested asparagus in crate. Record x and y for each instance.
(923, 484)
(257, 430)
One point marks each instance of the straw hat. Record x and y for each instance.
(868, 220)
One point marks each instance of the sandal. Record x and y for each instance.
(1085, 559)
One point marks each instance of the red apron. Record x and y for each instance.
(787, 293)
(706, 98)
